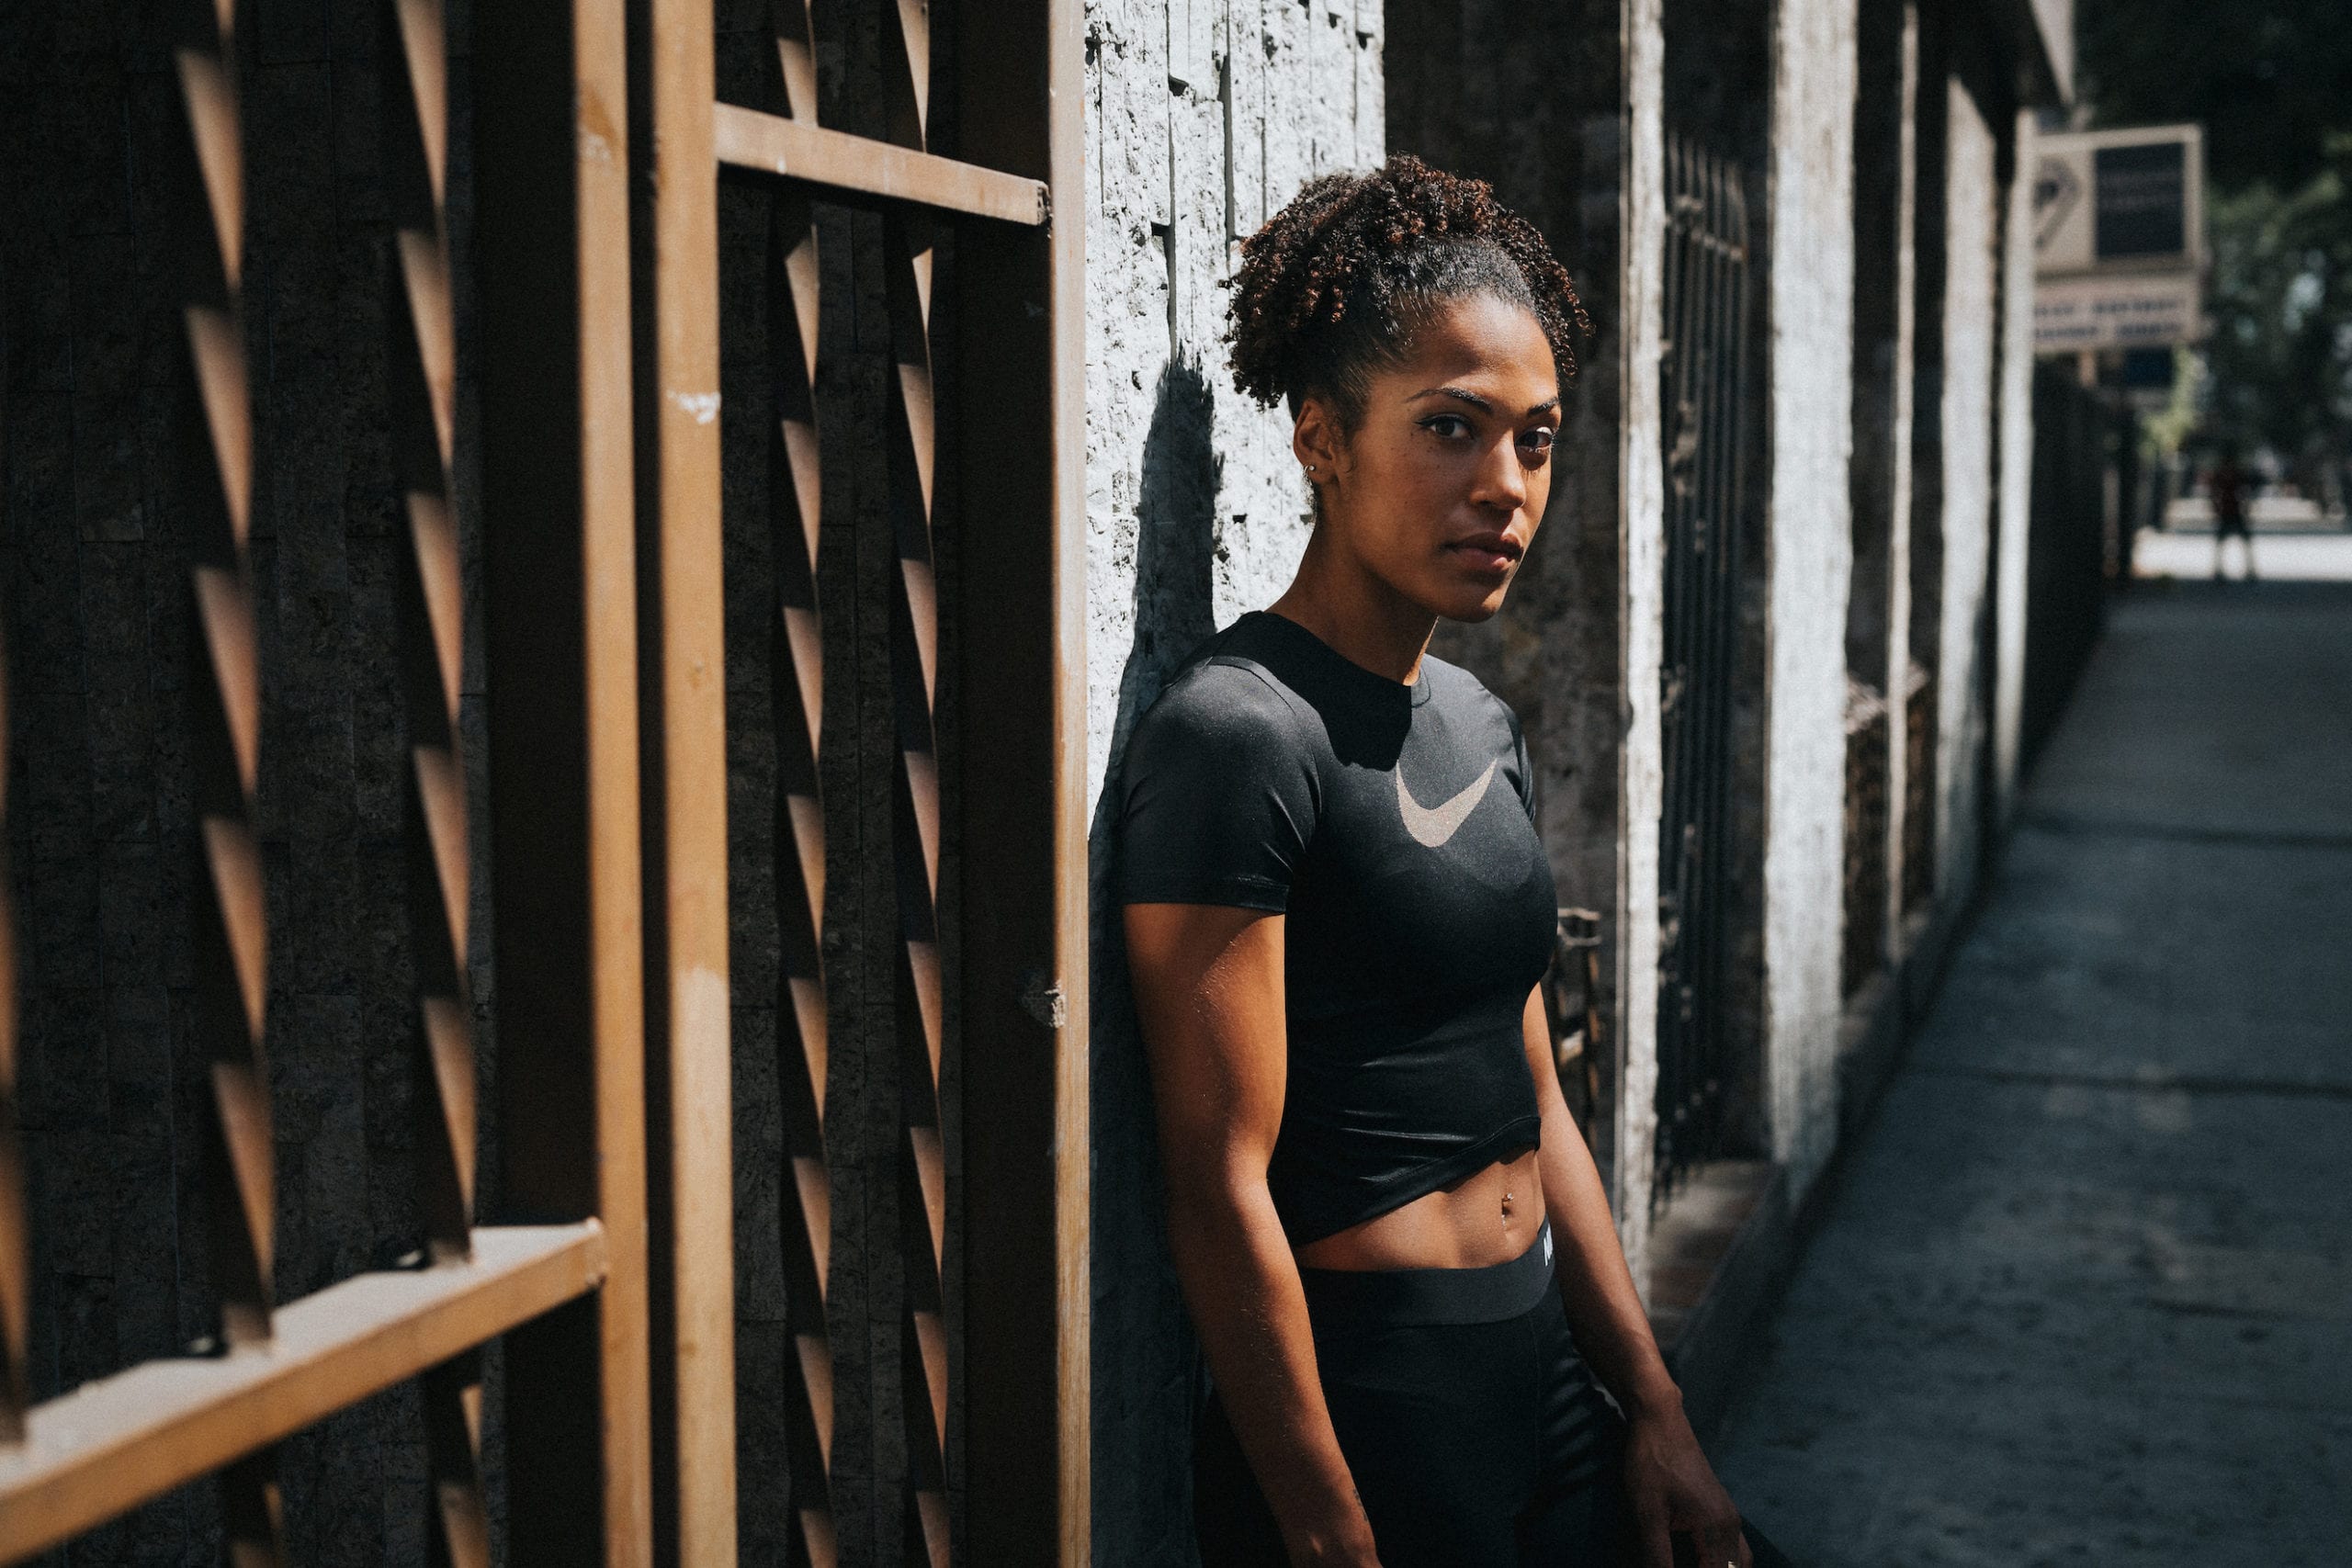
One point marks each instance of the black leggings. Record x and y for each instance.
(1476, 1434)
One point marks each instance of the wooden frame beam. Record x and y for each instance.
(113, 1444)
(747, 139)
(682, 642)
(559, 501)
(1023, 979)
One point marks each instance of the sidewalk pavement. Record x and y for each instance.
(2082, 1293)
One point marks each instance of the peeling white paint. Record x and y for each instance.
(704, 406)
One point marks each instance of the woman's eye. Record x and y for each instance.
(1447, 426)
(1537, 440)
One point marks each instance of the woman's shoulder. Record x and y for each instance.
(1456, 687)
(1219, 701)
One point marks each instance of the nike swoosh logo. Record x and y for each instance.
(1434, 825)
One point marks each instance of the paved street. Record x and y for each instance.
(2278, 556)
(2082, 1292)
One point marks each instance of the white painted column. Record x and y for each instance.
(1641, 779)
(1896, 684)
(2016, 472)
(1970, 333)
(1809, 564)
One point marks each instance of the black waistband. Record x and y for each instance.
(1389, 1298)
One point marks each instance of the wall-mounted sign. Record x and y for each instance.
(2092, 310)
(2119, 237)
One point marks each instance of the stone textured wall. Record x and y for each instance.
(94, 589)
(1203, 116)
(1810, 299)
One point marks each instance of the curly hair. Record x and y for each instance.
(1334, 285)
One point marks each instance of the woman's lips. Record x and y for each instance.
(1493, 554)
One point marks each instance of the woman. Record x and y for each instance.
(1338, 916)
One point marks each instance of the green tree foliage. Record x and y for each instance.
(2281, 300)
(2271, 81)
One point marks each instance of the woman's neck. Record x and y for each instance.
(1356, 613)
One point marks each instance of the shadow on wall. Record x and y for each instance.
(1147, 1369)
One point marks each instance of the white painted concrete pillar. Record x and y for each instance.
(2017, 470)
(1970, 336)
(1898, 555)
(1810, 558)
(1641, 782)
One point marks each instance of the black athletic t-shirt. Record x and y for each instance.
(1392, 827)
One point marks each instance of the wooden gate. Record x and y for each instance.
(609, 1281)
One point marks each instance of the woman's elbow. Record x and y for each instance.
(1212, 1198)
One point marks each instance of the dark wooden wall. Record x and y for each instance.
(867, 1296)
(96, 605)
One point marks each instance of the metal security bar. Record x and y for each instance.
(1573, 996)
(1704, 397)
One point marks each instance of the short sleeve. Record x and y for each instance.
(1219, 796)
(1525, 768)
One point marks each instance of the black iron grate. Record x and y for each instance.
(1704, 400)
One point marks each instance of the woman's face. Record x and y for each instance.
(1439, 491)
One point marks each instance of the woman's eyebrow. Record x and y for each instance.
(1463, 394)
(1459, 394)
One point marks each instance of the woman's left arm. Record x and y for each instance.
(1667, 1481)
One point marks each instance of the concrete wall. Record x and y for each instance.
(1809, 556)
(1558, 107)
(1971, 335)
(1203, 116)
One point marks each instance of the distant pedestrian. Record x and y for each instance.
(2226, 485)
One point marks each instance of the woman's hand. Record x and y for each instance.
(1672, 1490)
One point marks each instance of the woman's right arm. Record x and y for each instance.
(1208, 982)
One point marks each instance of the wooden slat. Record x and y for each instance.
(551, 171)
(215, 477)
(1022, 785)
(421, 385)
(421, 361)
(16, 1263)
(797, 485)
(909, 239)
(113, 1444)
(795, 46)
(695, 1369)
(747, 139)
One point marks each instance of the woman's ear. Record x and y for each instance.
(1315, 439)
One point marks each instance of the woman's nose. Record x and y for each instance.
(1501, 480)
